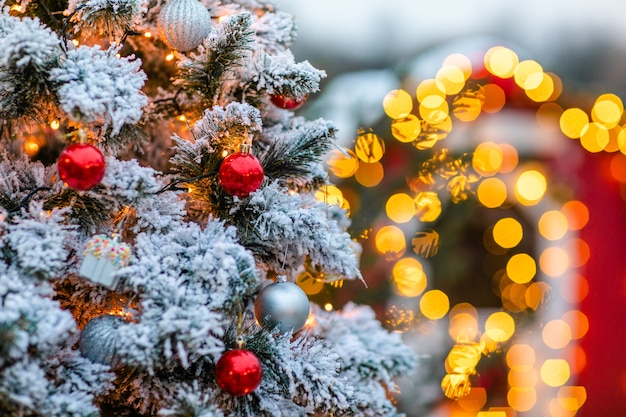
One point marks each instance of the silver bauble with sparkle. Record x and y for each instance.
(183, 24)
(282, 306)
(98, 340)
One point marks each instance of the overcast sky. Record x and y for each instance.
(368, 32)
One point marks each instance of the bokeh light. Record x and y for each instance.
(521, 268)
(397, 104)
(556, 334)
(553, 225)
(530, 187)
(500, 326)
(487, 159)
(409, 277)
(390, 242)
(434, 304)
(555, 372)
(507, 232)
(400, 208)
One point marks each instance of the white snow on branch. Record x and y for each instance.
(98, 86)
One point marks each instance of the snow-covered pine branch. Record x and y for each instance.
(95, 86)
(28, 52)
(283, 229)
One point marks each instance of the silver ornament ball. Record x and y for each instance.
(98, 340)
(282, 306)
(183, 24)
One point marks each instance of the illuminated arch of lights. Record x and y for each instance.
(493, 174)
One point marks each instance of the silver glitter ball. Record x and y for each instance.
(183, 24)
(282, 306)
(98, 340)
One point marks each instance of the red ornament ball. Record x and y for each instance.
(240, 174)
(287, 103)
(81, 166)
(238, 372)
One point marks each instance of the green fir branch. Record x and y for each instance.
(224, 51)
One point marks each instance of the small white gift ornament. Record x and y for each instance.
(102, 257)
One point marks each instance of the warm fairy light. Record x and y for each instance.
(328, 307)
(467, 107)
(147, 34)
(544, 91)
(500, 326)
(528, 75)
(182, 118)
(75, 42)
(572, 397)
(169, 56)
(553, 225)
(16, 8)
(427, 206)
(575, 289)
(434, 115)
(330, 194)
(572, 122)
(452, 78)
(430, 93)
(455, 386)
(520, 357)
(491, 192)
(463, 326)
(463, 358)
(617, 167)
(554, 261)
(577, 322)
(530, 187)
(555, 372)
(521, 268)
(343, 163)
(522, 398)
(400, 208)
(556, 334)
(409, 277)
(369, 147)
(607, 110)
(577, 360)
(407, 129)
(577, 214)
(548, 117)
(501, 61)
(461, 62)
(487, 159)
(507, 232)
(536, 294)
(369, 175)
(475, 400)
(390, 242)
(434, 304)
(492, 414)
(310, 321)
(397, 104)
(54, 125)
(594, 137)
(31, 147)
(510, 158)
(494, 98)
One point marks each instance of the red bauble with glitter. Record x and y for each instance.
(287, 103)
(240, 174)
(238, 372)
(81, 166)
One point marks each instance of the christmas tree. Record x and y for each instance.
(158, 197)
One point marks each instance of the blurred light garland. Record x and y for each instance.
(495, 177)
